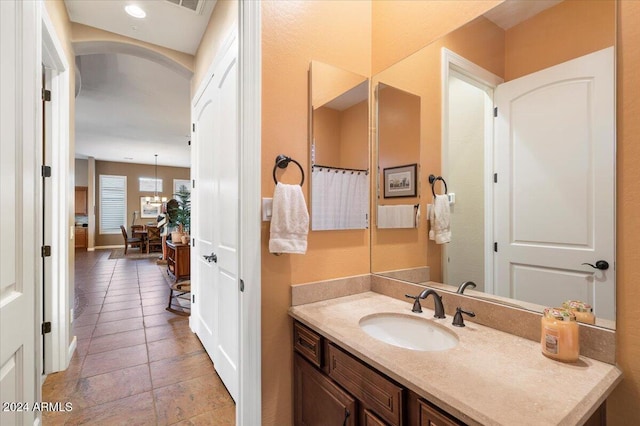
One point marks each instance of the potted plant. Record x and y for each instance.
(183, 214)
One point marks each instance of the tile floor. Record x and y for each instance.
(135, 363)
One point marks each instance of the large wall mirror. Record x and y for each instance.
(339, 147)
(516, 113)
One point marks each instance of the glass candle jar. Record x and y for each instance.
(559, 338)
(582, 311)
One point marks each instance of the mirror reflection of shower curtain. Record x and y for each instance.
(339, 199)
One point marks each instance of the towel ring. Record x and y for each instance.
(282, 161)
(433, 179)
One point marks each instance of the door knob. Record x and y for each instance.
(603, 265)
(211, 258)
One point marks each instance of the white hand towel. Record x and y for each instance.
(398, 216)
(289, 220)
(440, 220)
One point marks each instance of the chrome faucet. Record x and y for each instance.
(464, 285)
(437, 302)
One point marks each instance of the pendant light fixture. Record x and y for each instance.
(156, 197)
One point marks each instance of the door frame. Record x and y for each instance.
(57, 298)
(249, 404)
(250, 82)
(480, 77)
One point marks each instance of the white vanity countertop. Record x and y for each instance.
(489, 378)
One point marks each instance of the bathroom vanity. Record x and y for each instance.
(341, 389)
(489, 378)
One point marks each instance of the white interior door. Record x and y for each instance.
(20, 226)
(215, 283)
(555, 196)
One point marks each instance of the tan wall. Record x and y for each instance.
(223, 17)
(133, 172)
(293, 34)
(622, 407)
(402, 27)
(571, 29)
(60, 19)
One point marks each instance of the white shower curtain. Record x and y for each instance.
(339, 199)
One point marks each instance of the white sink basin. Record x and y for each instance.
(408, 332)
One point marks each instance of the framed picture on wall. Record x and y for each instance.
(178, 183)
(149, 209)
(400, 181)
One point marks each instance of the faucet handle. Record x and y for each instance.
(458, 321)
(417, 308)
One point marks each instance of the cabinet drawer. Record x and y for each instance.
(308, 343)
(375, 391)
(371, 419)
(432, 416)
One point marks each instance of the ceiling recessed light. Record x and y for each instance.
(135, 11)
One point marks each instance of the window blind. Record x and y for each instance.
(113, 203)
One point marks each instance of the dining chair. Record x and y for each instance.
(133, 242)
(153, 238)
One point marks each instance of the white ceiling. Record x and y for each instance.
(166, 24)
(130, 108)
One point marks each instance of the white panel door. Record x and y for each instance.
(215, 255)
(20, 267)
(555, 196)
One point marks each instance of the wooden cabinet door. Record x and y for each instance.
(80, 237)
(317, 400)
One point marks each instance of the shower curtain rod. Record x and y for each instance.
(339, 168)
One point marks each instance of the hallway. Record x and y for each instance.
(135, 363)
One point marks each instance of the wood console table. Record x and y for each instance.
(178, 260)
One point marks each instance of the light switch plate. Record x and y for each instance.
(267, 206)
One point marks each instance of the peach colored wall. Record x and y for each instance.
(398, 145)
(622, 407)
(223, 18)
(572, 29)
(83, 33)
(354, 137)
(133, 172)
(60, 19)
(342, 137)
(482, 42)
(326, 134)
(293, 34)
(402, 27)
(329, 82)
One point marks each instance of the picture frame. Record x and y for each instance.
(400, 181)
(149, 209)
(177, 183)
